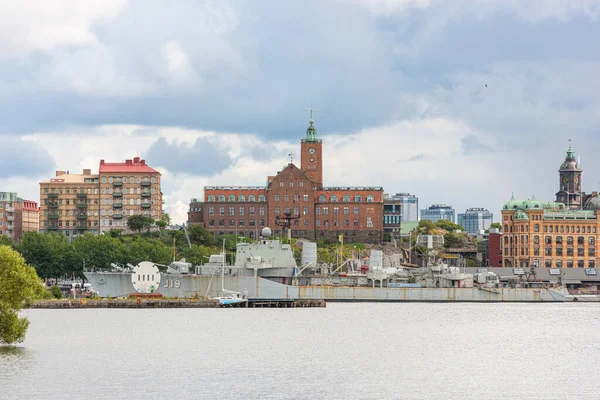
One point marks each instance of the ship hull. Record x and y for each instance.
(116, 284)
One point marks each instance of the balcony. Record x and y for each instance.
(146, 184)
(117, 205)
(82, 195)
(145, 205)
(117, 216)
(52, 228)
(53, 216)
(82, 205)
(10, 217)
(117, 183)
(146, 194)
(53, 205)
(81, 216)
(81, 227)
(10, 227)
(53, 195)
(10, 209)
(117, 194)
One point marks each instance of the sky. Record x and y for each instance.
(460, 102)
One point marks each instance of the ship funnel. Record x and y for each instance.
(309, 253)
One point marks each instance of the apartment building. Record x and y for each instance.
(31, 216)
(11, 209)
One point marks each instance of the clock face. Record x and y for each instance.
(312, 150)
(565, 179)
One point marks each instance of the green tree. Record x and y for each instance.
(19, 284)
(426, 227)
(141, 249)
(5, 240)
(448, 225)
(164, 221)
(98, 251)
(199, 235)
(50, 254)
(496, 225)
(197, 254)
(139, 222)
(114, 232)
(453, 240)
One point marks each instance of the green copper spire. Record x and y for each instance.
(570, 152)
(311, 131)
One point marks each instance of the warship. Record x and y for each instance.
(267, 270)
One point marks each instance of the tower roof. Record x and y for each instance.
(311, 131)
(570, 163)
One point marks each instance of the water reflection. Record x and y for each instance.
(10, 352)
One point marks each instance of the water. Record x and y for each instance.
(362, 351)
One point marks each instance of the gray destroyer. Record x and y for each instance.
(267, 270)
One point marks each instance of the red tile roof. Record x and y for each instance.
(129, 166)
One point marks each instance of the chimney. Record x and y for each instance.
(87, 171)
(136, 159)
(128, 162)
(101, 162)
(59, 173)
(143, 162)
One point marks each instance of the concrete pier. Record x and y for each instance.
(169, 303)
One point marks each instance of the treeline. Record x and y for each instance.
(53, 256)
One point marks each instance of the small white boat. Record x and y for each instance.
(228, 297)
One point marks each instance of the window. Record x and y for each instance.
(318, 222)
(336, 210)
(221, 197)
(305, 197)
(301, 184)
(548, 251)
(305, 221)
(211, 222)
(536, 228)
(281, 184)
(580, 240)
(333, 198)
(153, 180)
(357, 199)
(569, 263)
(355, 210)
(559, 251)
(592, 264)
(242, 210)
(296, 197)
(318, 210)
(251, 222)
(325, 210)
(370, 198)
(305, 211)
(231, 210)
(232, 222)
(322, 199)
(296, 210)
(103, 179)
(251, 197)
(286, 210)
(276, 197)
(251, 210)
(231, 198)
(346, 223)
(569, 239)
(286, 197)
(591, 240)
(291, 183)
(549, 264)
(580, 264)
(241, 197)
(355, 223)
(536, 251)
(335, 222)
(261, 197)
(558, 263)
(569, 252)
(277, 210)
(326, 223)
(221, 210)
(346, 198)
(580, 251)
(346, 210)
(261, 210)
(261, 222)
(591, 251)
(559, 240)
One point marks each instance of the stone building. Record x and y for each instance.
(553, 234)
(296, 196)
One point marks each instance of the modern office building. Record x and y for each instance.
(436, 212)
(392, 215)
(475, 220)
(409, 206)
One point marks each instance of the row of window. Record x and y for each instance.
(241, 211)
(251, 223)
(69, 191)
(552, 229)
(548, 252)
(69, 223)
(241, 222)
(131, 191)
(591, 240)
(124, 212)
(336, 210)
(569, 264)
(325, 223)
(130, 180)
(131, 202)
(286, 197)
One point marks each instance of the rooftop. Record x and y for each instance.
(136, 165)
(234, 188)
(351, 188)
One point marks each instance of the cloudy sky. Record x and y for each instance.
(217, 92)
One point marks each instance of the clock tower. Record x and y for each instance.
(569, 175)
(311, 154)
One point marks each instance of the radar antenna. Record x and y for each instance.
(286, 223)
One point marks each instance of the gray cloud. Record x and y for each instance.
(23, 158)
(203, 158)
(471, 144)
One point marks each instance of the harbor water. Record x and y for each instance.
(344, 351)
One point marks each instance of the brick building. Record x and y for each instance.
(72, 204)
(31, 216)
(11, 215)
(553, 234)
(314, 211)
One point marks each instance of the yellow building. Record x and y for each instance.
(72, 204)
(69, 203)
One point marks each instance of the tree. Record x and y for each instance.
(99, 251)
(139, 222)
(164, 221)
(18, 284)
(201, 236)
(141, 249)
(496, 225)
(197, 254)
(426, 227)
(5, 240)
(448, 225)
(50, 254)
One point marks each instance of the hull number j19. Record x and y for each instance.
(171, 283)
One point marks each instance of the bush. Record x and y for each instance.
(56, 292)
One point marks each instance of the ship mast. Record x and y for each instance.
(286, 223)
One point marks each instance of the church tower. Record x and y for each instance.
(311, 154)
(569, 175)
